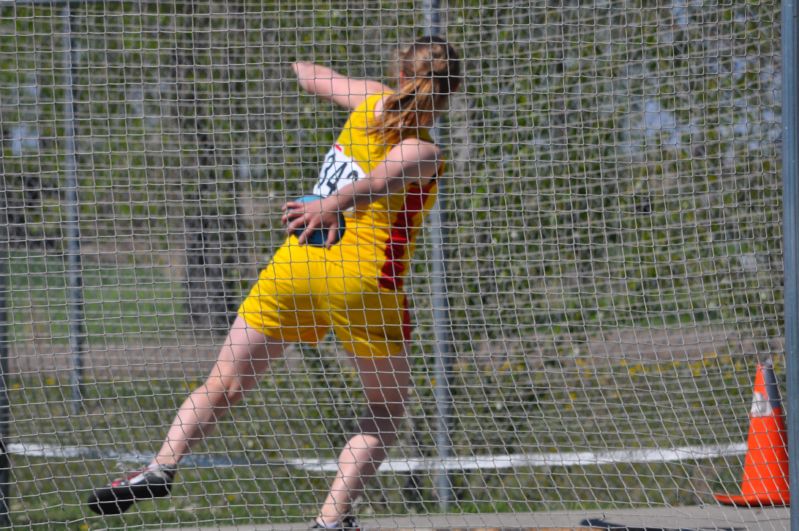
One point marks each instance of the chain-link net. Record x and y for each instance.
(611, 225)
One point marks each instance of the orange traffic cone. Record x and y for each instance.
(765, 479)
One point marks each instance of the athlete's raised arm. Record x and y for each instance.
(328, 84)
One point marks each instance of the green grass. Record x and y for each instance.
(52, 494)
(309, 412)
(562, 404)
(126, 299)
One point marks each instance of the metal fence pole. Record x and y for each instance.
(441, 321)
(5, 413)
(790, 176)
(77, 331)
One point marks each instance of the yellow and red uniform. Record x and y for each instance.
(356, 286)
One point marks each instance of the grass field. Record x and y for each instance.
(307, 412)
(521, 405)
(125, 299)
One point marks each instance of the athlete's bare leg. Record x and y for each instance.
(242, 361)
(386, 382)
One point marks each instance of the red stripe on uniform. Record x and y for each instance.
(400, 237)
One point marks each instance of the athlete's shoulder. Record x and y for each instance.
(374, 101)
(369, 109)
(374, 91)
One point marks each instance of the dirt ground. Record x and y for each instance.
(192, 357)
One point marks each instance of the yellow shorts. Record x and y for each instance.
(305, 291)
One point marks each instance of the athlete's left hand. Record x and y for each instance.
(311, 215)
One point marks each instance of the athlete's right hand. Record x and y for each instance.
(310, 216)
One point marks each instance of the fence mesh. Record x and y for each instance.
(612, 245)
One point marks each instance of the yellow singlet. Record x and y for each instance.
(355, 287)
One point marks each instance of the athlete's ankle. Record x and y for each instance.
(165, 468)
(328, 523)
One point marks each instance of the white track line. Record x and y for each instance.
(488, 462)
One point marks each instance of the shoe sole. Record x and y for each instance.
(119, 500)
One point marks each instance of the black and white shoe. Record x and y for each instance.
(145, 484)
(348, 523)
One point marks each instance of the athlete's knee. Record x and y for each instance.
(383, 420)
(387, 403)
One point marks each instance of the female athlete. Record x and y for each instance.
(381, 174)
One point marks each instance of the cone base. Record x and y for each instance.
(755, 500)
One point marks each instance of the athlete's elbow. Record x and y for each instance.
(420, 159)
(394, 184)
(427, 169)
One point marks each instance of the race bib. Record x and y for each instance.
(338, 170)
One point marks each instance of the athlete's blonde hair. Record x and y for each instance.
(429, 71)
